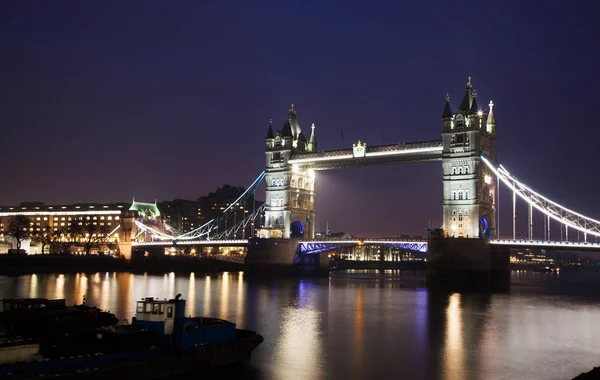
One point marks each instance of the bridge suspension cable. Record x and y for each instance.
(206, 230)
(232, 232)
(551, 209)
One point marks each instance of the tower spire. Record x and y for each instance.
(447, 111)
(491, 121)
(467, 102)
(312, 142)
(270, 134)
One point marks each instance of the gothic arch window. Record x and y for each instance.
(453, 139)
(273, 182)
(300, 183)
(466, 170)
(466, 194)
(454, 195)
(453, 170)
(460, 121)
(460, 195)
(293, 183)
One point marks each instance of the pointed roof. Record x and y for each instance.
(301, 137)
(145, 210)
(474, 106)
(491, 120)
(270, 134)
(467, 101)
(447, 111)
(286, 131)
(313, 139)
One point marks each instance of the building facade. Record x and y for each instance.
(469, 187)
(290, 191)
(180, 214)
(61, 221)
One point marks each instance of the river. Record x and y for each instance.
(371, 324)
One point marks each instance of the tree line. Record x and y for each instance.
(85, 233)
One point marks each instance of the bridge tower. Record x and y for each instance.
(290, 193)
(469, 206)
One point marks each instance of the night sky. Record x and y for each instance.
(103, 101)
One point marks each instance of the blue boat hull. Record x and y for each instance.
(146, 364)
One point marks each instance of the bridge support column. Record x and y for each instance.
(471, 263)
(281, 257)
(125, 249)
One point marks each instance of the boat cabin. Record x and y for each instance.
(158, 314)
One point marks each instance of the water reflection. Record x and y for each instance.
(359, 325)
(59, 288)
(224, 299)
(33, 286)
(206, 309)
(190, 306)
(454, 349)
(379, 326)
(240, 296)
(299, 343)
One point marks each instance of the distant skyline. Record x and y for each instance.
(106, 101)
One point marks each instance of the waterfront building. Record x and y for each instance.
(60, 222)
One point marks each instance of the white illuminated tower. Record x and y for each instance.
(290, 191)
(469, 206)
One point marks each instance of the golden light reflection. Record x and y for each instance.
(359, 323)
(206, 310)
(33, 286)
(81, 287)
(59, 289)
(240, 298)
(190, 306)
(95, 288)
(224, 297)
(105, 293)
(454, 347)
(299, 343)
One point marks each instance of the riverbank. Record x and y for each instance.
(14, 265)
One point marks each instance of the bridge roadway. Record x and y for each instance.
(319, 246)
(363, 155)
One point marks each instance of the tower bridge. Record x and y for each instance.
(471, 183)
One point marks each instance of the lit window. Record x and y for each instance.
(116, 218)
(109, 218)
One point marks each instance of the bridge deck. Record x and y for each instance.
(375, 155)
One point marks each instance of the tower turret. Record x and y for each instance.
(270, 139)
(467, 102)
(469, 206)
(301, 143)
(312, 142)
(447, 116)
(491, 120)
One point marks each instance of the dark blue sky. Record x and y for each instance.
(103, 101)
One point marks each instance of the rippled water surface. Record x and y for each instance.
(371, 324)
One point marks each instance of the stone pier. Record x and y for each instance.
(472, 263)
(281, 257)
